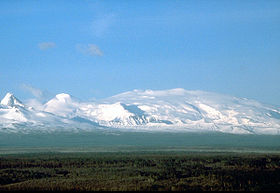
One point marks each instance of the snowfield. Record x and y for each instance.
(174, 110)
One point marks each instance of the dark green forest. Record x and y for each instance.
(152, 171)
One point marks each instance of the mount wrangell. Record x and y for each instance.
(174, 110)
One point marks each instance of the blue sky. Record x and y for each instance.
(96, 49)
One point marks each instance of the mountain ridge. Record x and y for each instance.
(173, 110)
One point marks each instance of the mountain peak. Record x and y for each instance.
(63, 97)
(11, 100)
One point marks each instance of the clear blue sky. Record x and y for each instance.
(95, 49)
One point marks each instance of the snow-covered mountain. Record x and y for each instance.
(144, 110)
(11, 100)
(16, 117)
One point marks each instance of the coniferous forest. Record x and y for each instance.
(139, 171)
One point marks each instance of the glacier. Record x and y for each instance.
(173, 110)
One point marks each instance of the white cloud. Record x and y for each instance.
(40, 97)
(34, 91)
(101, 24)
(37, 93)
(90, 49)
(46, 45)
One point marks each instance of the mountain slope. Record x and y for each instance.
(198, 110)
(11, 100)
(16, 117)
(148, 110)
